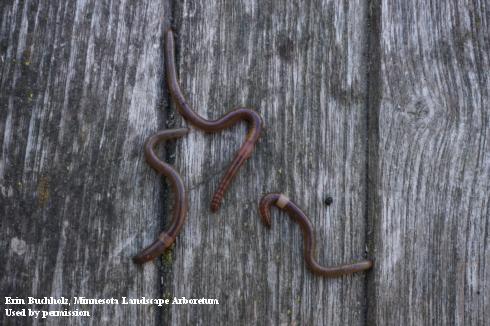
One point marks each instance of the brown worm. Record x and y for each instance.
(300, 217)
(251, 117)
(165, 239)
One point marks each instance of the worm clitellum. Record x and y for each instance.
(300, 217)
(165, 239)
(254, 120)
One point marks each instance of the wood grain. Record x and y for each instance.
(80, 91)
(300, 65)
(382, 105)
(432, 215)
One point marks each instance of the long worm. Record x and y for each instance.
(300, 217)
(166, 238)
(251, 117)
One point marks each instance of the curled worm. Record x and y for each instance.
(300, 217)
(165, 239)
(251, 117)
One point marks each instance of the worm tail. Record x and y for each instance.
(337, 271)
(154, 250)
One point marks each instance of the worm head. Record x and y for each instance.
(265, 208)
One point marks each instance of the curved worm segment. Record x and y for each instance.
(159, 137)
(154, 250)
(228, 120)
(166, 238)
(265, 208)
(284, 203)
(241, 156)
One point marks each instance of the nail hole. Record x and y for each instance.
(328, 201)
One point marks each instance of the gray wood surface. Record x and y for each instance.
(382, 105)
(80, 92)
(300, 66)
(432, 166)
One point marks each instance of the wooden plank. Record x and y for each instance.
(81, 89)
(300, 65)
(432, 213)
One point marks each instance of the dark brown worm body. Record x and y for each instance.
(300, 217)
(165, 239)
(251, 117)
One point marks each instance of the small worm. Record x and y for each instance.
(254, 120)
(166, 238)
(300, 217)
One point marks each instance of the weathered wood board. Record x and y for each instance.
(80, 92)
(432, 165)
(382, 105)
(300, 65)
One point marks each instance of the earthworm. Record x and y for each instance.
(231, 118)
(166, 238)
(300, 217)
